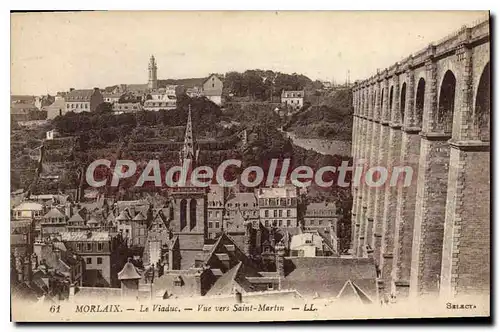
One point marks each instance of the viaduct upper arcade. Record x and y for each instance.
(431, 111)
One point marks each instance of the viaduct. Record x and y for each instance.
(430, 111)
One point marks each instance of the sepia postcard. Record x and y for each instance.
(189, 166)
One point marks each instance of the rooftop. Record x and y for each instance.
(29, 206)
(85, 236)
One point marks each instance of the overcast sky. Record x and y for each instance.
(55, 51)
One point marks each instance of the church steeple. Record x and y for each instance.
(152, 74)
(187, 151)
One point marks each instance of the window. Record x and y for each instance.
(210, 224)
(275, 213)
(288, 223)
(270, 287)
(100, 246)
(89, 246)
(280, 212)
(267, 223)
(280, 222)
(78, 246)
(266, 213)
(217, 224)
(216, 214)
(209, 214)
(99, 260)
(88, 260)
(320, 222)
(288, 213)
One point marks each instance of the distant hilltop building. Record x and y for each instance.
(83, 100)
(212, 89)
(293, 99)
(158, 94)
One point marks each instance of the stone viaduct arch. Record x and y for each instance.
(431, 112)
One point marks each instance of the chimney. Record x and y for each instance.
(248, 238)
(57, 253)
(19, 269)
(280, 259)
(34, 261)
(238, 297)
(71, 89)
(96, 89)
(27, 269)
(72, 290)
(68, 210)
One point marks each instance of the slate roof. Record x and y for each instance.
(326, 276)
(351, 291)
(79, 95)
(139, 217)
(18, 239)
(84, 236)
(29, 206)
(54, 213)
(76, 217)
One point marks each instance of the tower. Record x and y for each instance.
(189, 223)
(152, 71)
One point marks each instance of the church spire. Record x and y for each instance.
(188, 147)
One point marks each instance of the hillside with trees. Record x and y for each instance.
(330, 119)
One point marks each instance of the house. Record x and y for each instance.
(216, 199)
(158, 238)
(278, 206)
(28, 210)
(194, 92)
(83, 100)
(132, 223)
(311, 244)
(121, 108)
(53, 222)
(51, 134)
(321, 216)
(24, 111)
(97, 250)
(174, 89)
(168, 103)
(293, 99)
(57, 108)
(212, 89)
(55, 254)
(111, 97)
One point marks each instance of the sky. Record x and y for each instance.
(53, 52)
